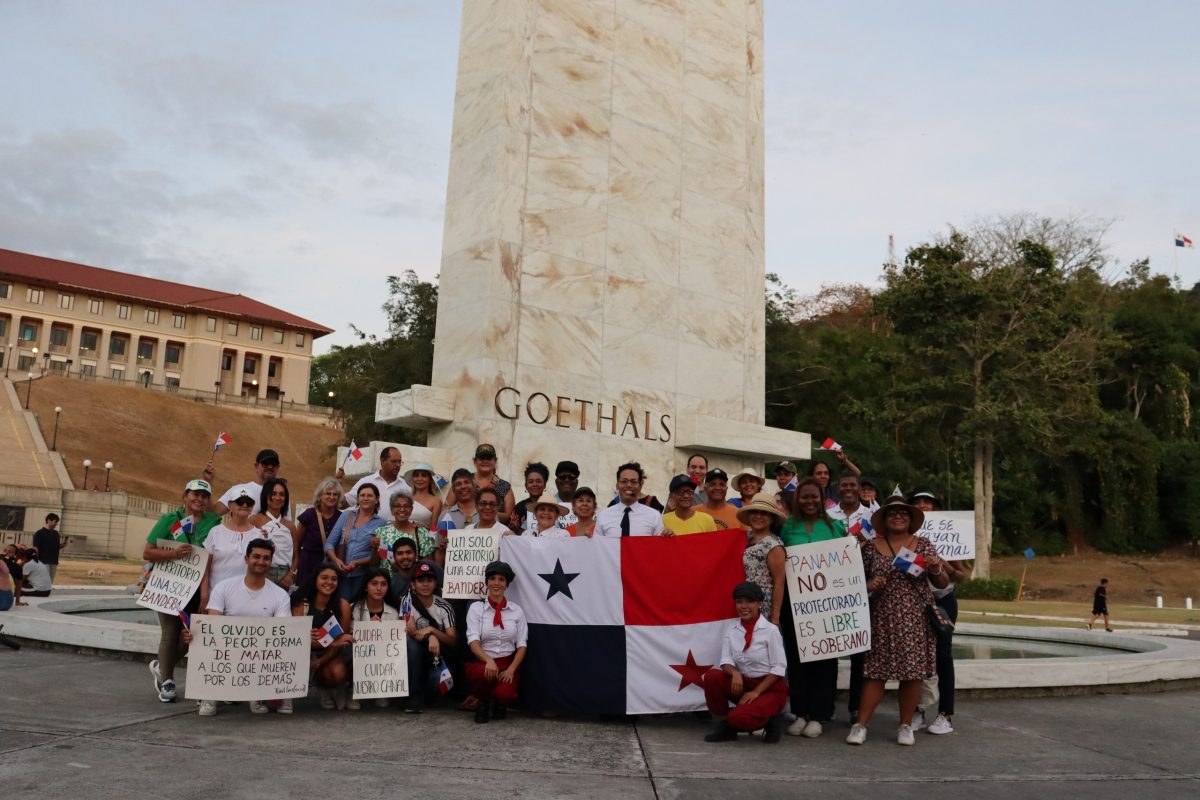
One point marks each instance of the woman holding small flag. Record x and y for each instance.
(318, 598)
(358, 529)
(497, 635)
(189, 525)
(900, 567)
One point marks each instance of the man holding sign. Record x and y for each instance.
(175, 547)
(251, 595)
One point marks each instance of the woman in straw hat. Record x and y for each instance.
(763, 557)
(900, 566)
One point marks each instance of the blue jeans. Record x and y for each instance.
(350, 585)
(6, 600)
(422, 680)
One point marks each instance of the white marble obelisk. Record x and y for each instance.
(602, 281)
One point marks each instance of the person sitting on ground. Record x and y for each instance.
(497, 635)
(318, 598)
(189, 526)
(751, 674)
(36, 578)
(248, 595)
(431, 637)
(274, 520)
(1100, 605)
(716, 487)
(583, 505)
(746, 483)
(536, 476)
(685, 519)
(371, 605)
(6, 587)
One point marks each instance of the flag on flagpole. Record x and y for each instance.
(1183, 241)
(222, 440)
(181, 529)
(330, 631)
(353, 454)
(611, 631)
(829, 444)
(911, 562)
(445, 679)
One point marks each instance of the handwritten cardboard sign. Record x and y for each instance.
(248, 658)
(951, 532)
(172, 583)
(828, 594)
(380, 659)
(468, 552)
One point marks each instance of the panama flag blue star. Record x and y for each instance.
(559, 580)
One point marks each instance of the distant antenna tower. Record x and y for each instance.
(891, 250)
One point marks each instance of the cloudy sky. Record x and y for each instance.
(297, 152)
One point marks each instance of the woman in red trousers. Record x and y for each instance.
(497, 634)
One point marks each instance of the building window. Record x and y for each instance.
(123, 310)
(29, 331)
(231, 328)
(87, 340)
(116, 346)
(66, 300)
(5, 290)
(277, 336)
(173, 353)
(256, 333)
(34, 296)
(145, 350)
(178, 321)
(227, 362)
(272, 369)
(172, 384)
(58, 337)
(248, 366)
(25, 363)
(96, 306)
(87, 370)
(3, 328)
(299, 340)
(117, 373)
(212, 325)
(151, 316)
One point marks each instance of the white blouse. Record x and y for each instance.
(497, 642)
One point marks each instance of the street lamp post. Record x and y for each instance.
(281, 394)
(8, 361)
(216, 393)
(28, 387)
(45, 362)
(54, 439)
(108, 465)
(69, 363)
(254, 384)
(87, 464)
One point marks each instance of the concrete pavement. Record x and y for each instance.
(82, 727)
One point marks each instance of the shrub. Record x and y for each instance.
(987, 589)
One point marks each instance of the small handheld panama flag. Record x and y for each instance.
(863, 528)
(186, 618)
(445, 679)
(353, 454)
(440, 482)
(405, 607)
(830, 502)
(181, 529)
(222, 440)
(1183, 241)
(829, 444)
(910, 562)
(446, 524)
(330, 631)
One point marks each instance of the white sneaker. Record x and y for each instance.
(166, 692)
(327, 701)
(285, 706)
(797, 727)
(918, 720)
(154, 673)
(857, 735)
(812, 730)
(208, 708)
(941, 725)
(258, 707)
(905, 736)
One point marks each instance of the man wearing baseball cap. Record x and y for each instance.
(716, 487)
(266, 465)
(785, 476)
(685, 519)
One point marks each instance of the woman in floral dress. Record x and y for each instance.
(903, 645)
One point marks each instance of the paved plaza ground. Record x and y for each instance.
(83, 727)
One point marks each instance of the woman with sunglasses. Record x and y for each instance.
(227, 543)
(403, 526)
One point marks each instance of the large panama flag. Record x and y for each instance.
(623, 625)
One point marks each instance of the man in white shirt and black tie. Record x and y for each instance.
(751, 675)
(628, 517)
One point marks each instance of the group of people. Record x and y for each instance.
(377, 552)
(30, 571)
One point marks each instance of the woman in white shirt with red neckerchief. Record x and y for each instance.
(497, 635)
(752, 673)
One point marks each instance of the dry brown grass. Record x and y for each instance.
(1133, 580)
(157, 442)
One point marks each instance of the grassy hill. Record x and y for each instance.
(157, 442)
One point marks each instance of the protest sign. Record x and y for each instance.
(951, 532)
(828, 594)
(380, 659)
(248, 658)
(468, 552)
(172, 583)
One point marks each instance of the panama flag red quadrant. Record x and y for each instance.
(623, 625)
